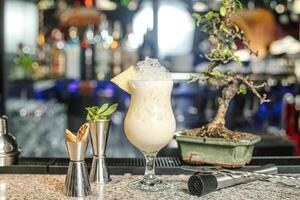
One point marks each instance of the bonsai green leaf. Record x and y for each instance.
(230, 73)
(237, 59)
(197, 18)
(242, 89)
(225, 29)
(209, 15)
(103, 108)
(110, 110)
(191, 77)
(216, 74)
(204, 28)
(223, 11)
(237, 29)
(216, 15)
(238, 5)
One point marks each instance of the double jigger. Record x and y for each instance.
(99, 135)
(77, 182)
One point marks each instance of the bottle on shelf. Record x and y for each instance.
(129, 48)
(21, 64)
(72, 50)
(102, 50)
(57, 65)
(41, 65)
(116, 48)
(88, 54)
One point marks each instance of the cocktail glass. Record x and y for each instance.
(150, 125)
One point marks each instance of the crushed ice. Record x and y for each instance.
(151, 69)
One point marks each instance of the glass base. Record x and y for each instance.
(152, 186)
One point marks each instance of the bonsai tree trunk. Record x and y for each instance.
(227, 94)
(217, 128)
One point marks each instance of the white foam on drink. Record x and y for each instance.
(150, 69)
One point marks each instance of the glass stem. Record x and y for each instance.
(149, 176)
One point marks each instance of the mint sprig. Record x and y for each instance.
(96, 113)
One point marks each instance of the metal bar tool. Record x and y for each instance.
(99, 134)
(77, 182)
(204, 182)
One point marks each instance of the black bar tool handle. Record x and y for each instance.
(200, 184)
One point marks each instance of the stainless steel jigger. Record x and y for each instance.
(99, 135)
(77, 181)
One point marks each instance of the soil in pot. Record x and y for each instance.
(217, 131)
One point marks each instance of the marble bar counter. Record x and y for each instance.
(44, 187)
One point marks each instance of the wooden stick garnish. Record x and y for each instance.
(70, 136)
(83, 132)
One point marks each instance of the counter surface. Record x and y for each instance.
(51, 187)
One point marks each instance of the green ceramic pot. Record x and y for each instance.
(217, 151)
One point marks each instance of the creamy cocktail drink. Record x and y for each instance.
(149, 123)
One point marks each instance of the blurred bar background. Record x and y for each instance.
(59, 55)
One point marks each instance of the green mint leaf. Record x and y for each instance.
(100, 113)
(110, 110)
(103, 117)
(89, 113)
(88, 117)
(96, 118)
(102, 108)
(94, 108)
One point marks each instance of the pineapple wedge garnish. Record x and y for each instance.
(122, 79)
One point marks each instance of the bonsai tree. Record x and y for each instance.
(224, 35)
